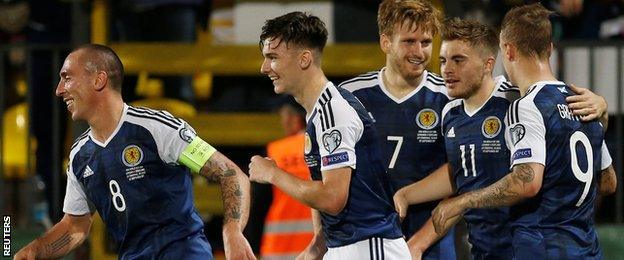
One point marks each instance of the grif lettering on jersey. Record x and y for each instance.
(566, 113)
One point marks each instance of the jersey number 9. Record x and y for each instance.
(584, 176)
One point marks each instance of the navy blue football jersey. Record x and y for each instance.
(478, 157)
(340, 133)
(134, 182)
(410, 135)
(558, 222)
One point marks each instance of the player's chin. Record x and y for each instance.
(279, 89)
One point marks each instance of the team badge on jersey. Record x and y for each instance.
(491, 127)
(307, 144)
(187, 134)
(132, 155)
(427, 119)
(332, 140)
(517, 133)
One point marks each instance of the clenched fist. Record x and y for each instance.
(261, 169)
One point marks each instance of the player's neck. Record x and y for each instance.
(104, 123)
(397, 85)
(477, 100)
(532, 71)
(310, 90)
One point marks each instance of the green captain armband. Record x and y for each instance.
(196, 154)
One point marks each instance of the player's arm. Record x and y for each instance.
(523, 182)
(61, 239)
(202, 158)
(608, 181)
(328, 195)
(588, 105)
(317, 247)
(235, 195)
(435, 186)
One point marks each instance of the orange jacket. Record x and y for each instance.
(288, 225)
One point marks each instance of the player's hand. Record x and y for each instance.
(446, 214)
(236, 246)
(400, 204)
(586, 104)
(260, 169)
(28, 252)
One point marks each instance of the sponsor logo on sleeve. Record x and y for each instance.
(335, 158)
(332, 140)
(491, 127)
(522, 153)
(517, 133)
(187, 134)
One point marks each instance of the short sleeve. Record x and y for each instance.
(339, 129)
(171, 134)
(76, 202)
(525, 133)
(606, 157)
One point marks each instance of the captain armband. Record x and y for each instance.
(196, 154)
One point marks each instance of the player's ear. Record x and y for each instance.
(385, 42)
(306, 59)
(490, 62)
(509, 51)
(101, 79)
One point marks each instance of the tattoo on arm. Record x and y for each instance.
(504, 192)
(58, 244)
(222, 170)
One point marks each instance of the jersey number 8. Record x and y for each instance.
(587, 175)
(117, 196)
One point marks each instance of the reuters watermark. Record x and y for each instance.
(6, 235)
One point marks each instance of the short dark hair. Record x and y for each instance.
(297, 27)
(103, 58)
(473, 32)
(529, 28)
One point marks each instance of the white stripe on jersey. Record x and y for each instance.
(367, 80)
(76, 202)
(450, 105)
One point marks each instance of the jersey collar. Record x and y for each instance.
(382, 85)
(119, 124)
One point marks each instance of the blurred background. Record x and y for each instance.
(200, 60)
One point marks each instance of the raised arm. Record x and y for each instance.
(61, 239)
(523, 182)
(328, 195)
(235, 194)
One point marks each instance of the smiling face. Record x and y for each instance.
(77, 86)
(408, 51)
(281, 65)
(463, 68)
